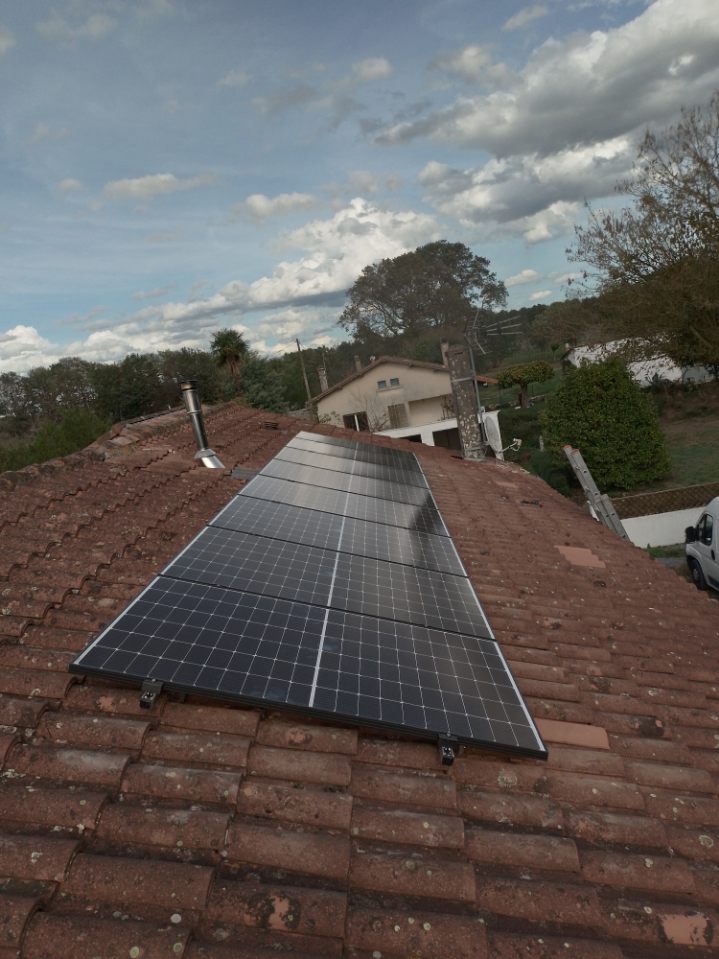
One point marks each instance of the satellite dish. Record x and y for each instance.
(494, 437)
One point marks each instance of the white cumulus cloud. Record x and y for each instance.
(59, 28)
(145, 187)
(519, 279)
(7, 40)
(69, 185)
(234, 79)
(539, 295)
(586, 87)
(373, 68)
(260, 207)
(525, 16)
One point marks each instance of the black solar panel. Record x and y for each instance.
(425, 518)
(360, 453)
(406, 594)
(314, 528)
(347, 464)
(331, 479)
(296, 524)
(400, 546)
(225, 643)
(367, 451)
(213, 640)
(338, 602)
(220, 557)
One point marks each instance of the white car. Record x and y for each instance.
(702, 547)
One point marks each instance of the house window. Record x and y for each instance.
(381, 384)
(356, 421)
(394, 381)
(706, 529)
(397, 415)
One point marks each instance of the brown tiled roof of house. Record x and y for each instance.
(397, 361)
(198, 830)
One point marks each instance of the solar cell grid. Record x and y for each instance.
(243, 561)
(426, 518)
(406, 462)
(400, 546)
(385, 471)
(370, 451)
(406, 594)
(292, 523)
(426, 679)
(213, 640)
(331, 479)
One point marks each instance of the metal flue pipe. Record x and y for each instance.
(209, 458)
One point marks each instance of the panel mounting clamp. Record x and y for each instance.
(149, 692)
(447, 749)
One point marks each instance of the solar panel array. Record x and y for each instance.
(329, 584)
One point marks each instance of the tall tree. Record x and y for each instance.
(521, 375)
(229, 348)
(439, 284)
(655, 262)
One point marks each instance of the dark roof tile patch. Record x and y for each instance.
(211, 831)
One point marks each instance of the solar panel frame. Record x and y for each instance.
(207, 647)
(314, 600)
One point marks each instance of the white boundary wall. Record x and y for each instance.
(661, 529)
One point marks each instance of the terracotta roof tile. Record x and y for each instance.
(292, 848)
(298, 803)
(86, 766)
(513, 946)
(240, 722)
(36, 857)
(50, 936)
(417, 932)
(14, 914)
(514, 849)
(101, 732)
(51, 806)
(285, 908)
(403, 826)
(168, 827)
(323, 739)
(279, 835)
(407, 872)
(299, 766)
(175, 782)
(122, 881)
(430, 792)
(215, 749)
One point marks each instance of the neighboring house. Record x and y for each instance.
(645, 371)
(203, 830)
(398, 397)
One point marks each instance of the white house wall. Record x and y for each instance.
(362, 394)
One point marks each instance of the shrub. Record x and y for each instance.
(600, 410)
(76, 430)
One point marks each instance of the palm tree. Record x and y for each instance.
(229, 349)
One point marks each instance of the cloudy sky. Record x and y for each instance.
(170, 167)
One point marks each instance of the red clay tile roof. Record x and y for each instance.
(205, 831)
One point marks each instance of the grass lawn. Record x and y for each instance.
(694, 450)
